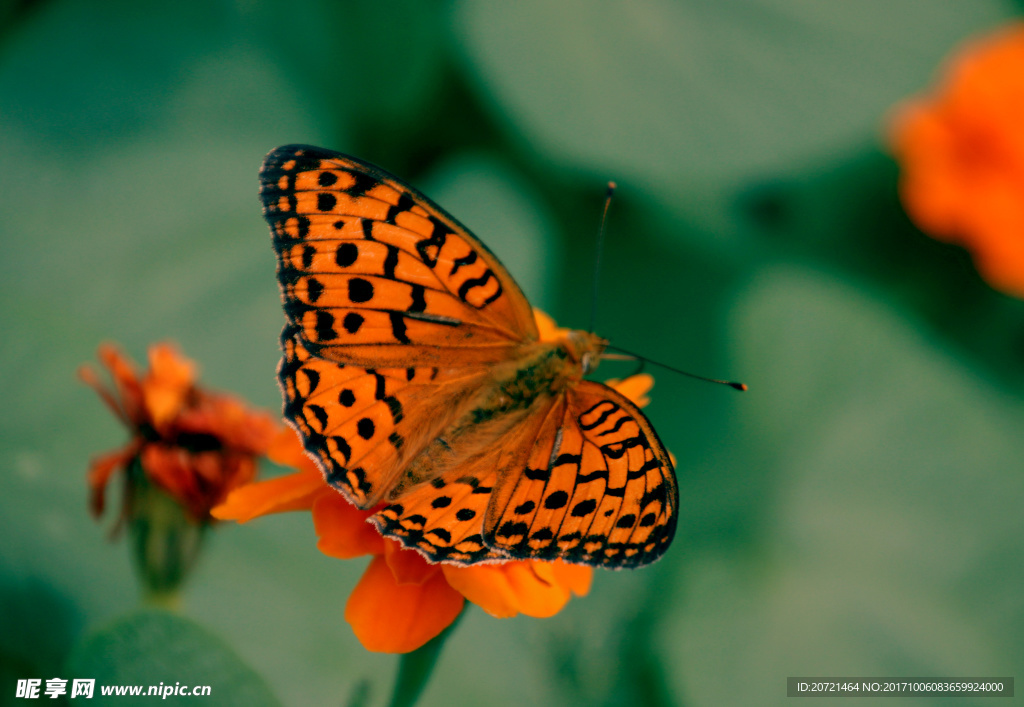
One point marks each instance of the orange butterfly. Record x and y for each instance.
(414, 373)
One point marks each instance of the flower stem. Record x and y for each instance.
(169, 600)
(416, 667)
(166, 541)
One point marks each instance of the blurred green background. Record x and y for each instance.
(857, 513)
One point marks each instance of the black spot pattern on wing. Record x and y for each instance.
(342, 226)
(598, 490)
(441, 521)
(346, 416)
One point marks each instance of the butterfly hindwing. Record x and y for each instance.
(443, 519)
(374, 273)
(598, 487)
(362, 425)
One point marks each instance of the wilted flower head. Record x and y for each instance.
(194, 444)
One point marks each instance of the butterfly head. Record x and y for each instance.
(584, 348)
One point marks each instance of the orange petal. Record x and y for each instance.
(126, 380)
(408, 566)
(575, 578)
(487, 586)
(286, 449)
(539, 594)
(229, 420)
(89, 376)
(635, 387)
(168, 365)
(170, 468)
(389, 617)
(167, 383)
(961, 155)
(504, 590)
(342, 528)
(294, 492)
(549, 331)
(101, 469)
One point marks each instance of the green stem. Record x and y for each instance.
(165, 540)
(415, 668)
(169, 600)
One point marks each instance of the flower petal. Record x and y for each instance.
(342, 528)
(535, 586)
(101, 469)
(88, 375)
(126, 382)
(575, 578)
(487, 586)
(961, 155)
(504, 590)
(548, 329)
(408, 566)
(230, 421)
(167, 383)
(170, 468)
(635, 387)
(389, 617)
(294, 492)
(285, 448)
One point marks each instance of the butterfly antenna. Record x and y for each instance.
(731, 384)
(597, 257)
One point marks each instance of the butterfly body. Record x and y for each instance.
(511, 392)
(416, 376)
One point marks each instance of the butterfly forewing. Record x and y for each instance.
(362, 425)
(374, 273)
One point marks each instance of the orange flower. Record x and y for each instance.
(961, 151)
(402, 601)
(194, 444)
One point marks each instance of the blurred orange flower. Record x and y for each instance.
(402, 601)
(194, 444)
(961, 151)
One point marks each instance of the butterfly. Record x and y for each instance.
(414, 373)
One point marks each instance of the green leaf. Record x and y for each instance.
(162, 649)
(689, 100)
(505, 213)
(147, 124)
(888, 489)
(362, 63)
(38, 627)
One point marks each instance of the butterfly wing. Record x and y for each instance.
(443, 519)
(598, 487)
(583, 479)
(396, 314)
(373, 273)
(363, 425)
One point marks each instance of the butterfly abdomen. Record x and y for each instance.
(512, 392)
